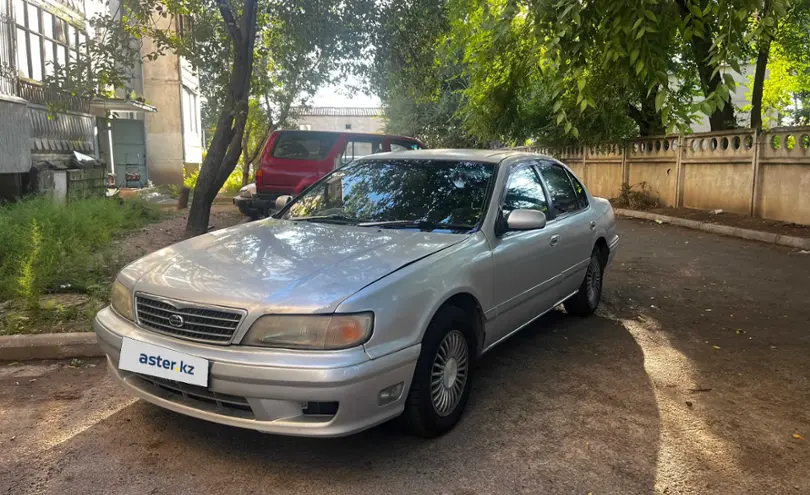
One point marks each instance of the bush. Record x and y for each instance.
(190, 177)
(46, 246)
(640, 199)
(234, 182)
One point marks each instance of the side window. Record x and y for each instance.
(562, 193)
(524, 192)
(581, 196)
(359, 148)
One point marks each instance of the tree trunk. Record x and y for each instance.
(721, 118)
(226, 145)
(245, 157)
(764, 46)
(648, 119)
(759, 82)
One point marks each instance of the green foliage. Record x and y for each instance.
(190, 177)
(47, 246)
(233, 183)
(421, 92)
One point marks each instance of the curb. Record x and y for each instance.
(752, 235)
(49, 346)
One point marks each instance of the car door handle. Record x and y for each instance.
(593, 225)
(555, 239)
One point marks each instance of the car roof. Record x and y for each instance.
(486, 156)
(347, 133)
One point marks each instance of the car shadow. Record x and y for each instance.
(564, 406)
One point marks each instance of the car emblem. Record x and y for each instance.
(176, 321)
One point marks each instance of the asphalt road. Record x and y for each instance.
(692, 378)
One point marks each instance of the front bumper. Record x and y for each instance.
(267, 390)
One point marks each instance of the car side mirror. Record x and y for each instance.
(282, 201)
(526, 220)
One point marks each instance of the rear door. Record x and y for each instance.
(527, 269)
(573, 222)
(295, 157)
(358, 147)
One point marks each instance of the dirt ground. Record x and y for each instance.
(737, 220)
(692, 378)
(159, 235)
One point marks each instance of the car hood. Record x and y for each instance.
(279, 265)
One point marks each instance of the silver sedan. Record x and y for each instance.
(370, 296)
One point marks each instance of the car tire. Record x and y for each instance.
(435, 403)
(586, 300)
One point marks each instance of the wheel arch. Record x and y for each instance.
(468, 303)
(604, 251)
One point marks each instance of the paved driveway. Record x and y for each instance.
(693, 378)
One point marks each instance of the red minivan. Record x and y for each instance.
(293, 160)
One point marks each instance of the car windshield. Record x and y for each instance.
(425, 194)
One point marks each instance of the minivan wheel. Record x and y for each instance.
(586, 300)
(443, 376)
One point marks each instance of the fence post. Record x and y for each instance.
(679, 173)
(625, 166)
(584, 162)
(754, 173)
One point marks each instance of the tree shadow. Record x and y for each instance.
(722, 324)
(562, 407)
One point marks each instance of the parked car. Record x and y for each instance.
(293, 160)
(370, 296)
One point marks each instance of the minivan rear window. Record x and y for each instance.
(304, 145)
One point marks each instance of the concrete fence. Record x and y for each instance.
(765, 174)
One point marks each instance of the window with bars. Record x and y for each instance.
(44, 41)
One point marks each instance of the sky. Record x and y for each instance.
(336, 96)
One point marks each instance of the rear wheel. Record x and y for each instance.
(443, 376)
(586, 300)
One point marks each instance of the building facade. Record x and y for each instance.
(157, 142)
(151, 139)
(356, 119)
(35, 36)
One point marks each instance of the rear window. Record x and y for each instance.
(304, 145)
(404, 146)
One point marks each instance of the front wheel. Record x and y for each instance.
(586, 300)
(443, 376)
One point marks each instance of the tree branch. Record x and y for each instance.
(226, 10)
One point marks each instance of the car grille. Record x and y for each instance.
(194, 323)
(197, 397)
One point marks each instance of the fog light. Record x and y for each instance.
(390, 394)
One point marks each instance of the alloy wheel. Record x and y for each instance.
(449, 373)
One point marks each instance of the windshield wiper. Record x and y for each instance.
(420, 224)
(335, 218)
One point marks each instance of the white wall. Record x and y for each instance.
(330, 123)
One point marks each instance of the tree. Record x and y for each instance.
(780, 30)
(298, 45)
(421, 93)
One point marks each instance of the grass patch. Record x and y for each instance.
(47, 247)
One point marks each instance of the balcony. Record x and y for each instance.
(40, 95)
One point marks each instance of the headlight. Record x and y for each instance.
(316, 332)
(245, 192)
(121, 300)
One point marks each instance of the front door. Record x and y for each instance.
(527, 272)
(129, 152)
